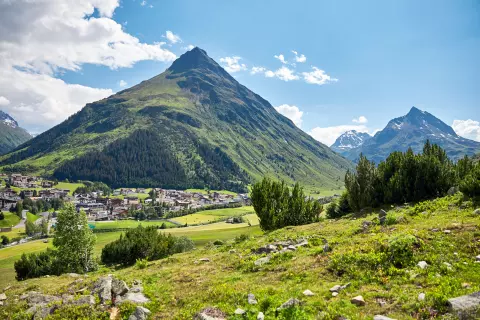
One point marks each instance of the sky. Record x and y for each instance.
(330, 66)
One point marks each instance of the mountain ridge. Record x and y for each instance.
(349, 140)
(11, 134)
(218, 131)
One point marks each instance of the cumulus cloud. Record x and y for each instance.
(143, 3)
(4, 101)
(360, 119)
(328, 135)
(256, 70)
(283, 73)
(317, 76)
(38, 39)
(281, 57)
(172, 37)
(232, 64)
(122, 83)
(291, 112)
(299, 57)
(469, 129)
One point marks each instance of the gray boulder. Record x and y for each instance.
(103, 287)
(135, 297)
(90, 300)
(382, 216)
(292, 302)
(3, 296)
(210, 313)
(358, 300)
(260, 316)
(262, 261)
(240, 312)
(140, 313)
(38, 299)
(251, 299)
(466, 307)
(119, 287)
(477, 212)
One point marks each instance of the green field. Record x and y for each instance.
(128, 224)
(203, 191)
(11, 219)
(61, 185)
(32, 217)
(213, 215)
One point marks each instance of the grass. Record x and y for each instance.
(11, 219)
(129, 224)
(32, 217)
(61, 185)
(203, 191)
(207, 216)
(179, 286)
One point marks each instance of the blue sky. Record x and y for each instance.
(386, 55)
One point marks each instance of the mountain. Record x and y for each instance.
(349, 140)
(411, 131)
(193, 125)
(11, 135)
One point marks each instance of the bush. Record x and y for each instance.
(470, 185)
(400, 250)
(340, 208)
(241, 238)
(141, 263)
(218, 243)
(143, 243)
(5, 240)
(2, 216)
(35, 265)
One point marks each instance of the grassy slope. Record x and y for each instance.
(11, 219)
(213, 215)
(179, 287)
(128, 224)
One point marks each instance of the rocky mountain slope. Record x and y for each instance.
(11, 135)
(411, 131)
(193, 125)
(349, 140)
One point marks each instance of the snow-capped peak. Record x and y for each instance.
(6, 119)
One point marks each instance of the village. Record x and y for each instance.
(99, 206)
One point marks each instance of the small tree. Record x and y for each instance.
(5, 240)
(74, 240)
(30, 228)
(2, 216)
(19, 209)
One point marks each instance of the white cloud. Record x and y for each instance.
(189, 47)
(143, 3)
(469, 129)
(256, 70)
(173, 38)
(122, 83)
(317, 76)
(4, 101)
(283, 73)
(299, 57)
(281, 57)
(291, 112)
(39, 39)
(231, 64)
(328, 135)
(360, 119)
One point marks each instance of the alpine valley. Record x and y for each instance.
(11, 135)
(193, 125)
(409, 131)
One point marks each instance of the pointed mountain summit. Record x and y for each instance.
(11, 135)
(412, 131)
(193, 125)
(349, 140)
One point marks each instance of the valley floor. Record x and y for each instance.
(445, 233)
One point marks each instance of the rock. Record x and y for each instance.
(421, 296)
(308, 293)
(103, 287)
(452, 191)
(260, 316)
(232, 251)
(336, 288)
(119, 287)
(41, 311)
(38, 299)
(358, 300)
(262, 261)
(447, 231)
(140, 313)
(251, 299)
(334, 294)
(74, 275)
(90, 300)
(240, 312)
(380, 317)
(67, 298)
(422, 264)
(448, 265)
(292, 248)
(3, 296)
(304, 243)
(465, 305)
(477, 258)
(477, 211)
(210, 313)
(204, 260)
(382, 303)
(292, 302)
(345, 286)
(466, 285)
(135, 297)
(382, 216)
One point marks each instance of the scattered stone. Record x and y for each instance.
(380, 317)
(103, 287)
(477, 211)
(251, 299)
(308, 293)
(345, 286)
(435, 230)
(119, 287)
(366, 225)
(260, 316)
(358, 300)
(336, 288)
(446, 231)
(448, 265)
(465, 305)
(262, 261)
(334, 294)
(90, 300)
(382, 216)
(382, 303)
(421, 296)
(292, 248)
(292, 302)
(210, 313)
(453, 190)
(137, 282)
(303, 243)
(204, 260)
(38, 299)
(232, 251)
(240, 312)
(140, 313)
(3, 296)
(477, 258)
(135, 297)
(422, 264)
(466, 285)
(74, 275)
(41, 311)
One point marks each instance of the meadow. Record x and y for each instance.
(120, 224)
(208, 216)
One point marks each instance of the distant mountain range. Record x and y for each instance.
(193, 125)
(409, 131)
(11, 135)
(348, 141)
